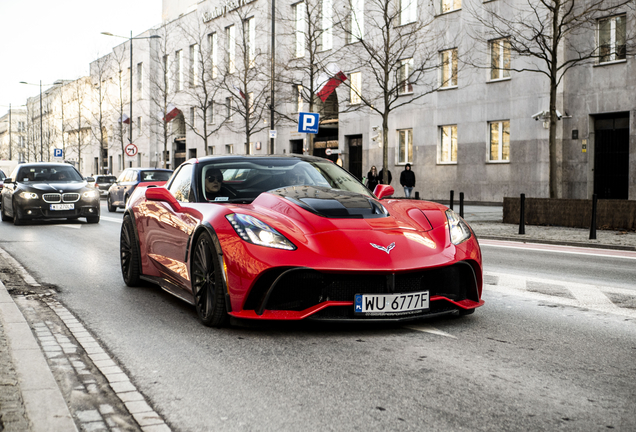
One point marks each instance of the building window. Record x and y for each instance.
(194, 65)
(20, 126)
(356, 21)
(355, 84)
(449, 68)
(249, 28)
(299, 17)
(213, 52)
(405, 144)
(451, 5)
(192, 117)
(448, 144)
(178, 70)
(297, 90)
(611, 37)
(229, 108)
(500, 140)
(229, 148)
(21, 141)
(499, 59)
(140, 69)
(210, 150)
(230, 48)
(193, 153)
(139, 126)
(326, 39)
(404, 75)
(210, 112)
(408, 11)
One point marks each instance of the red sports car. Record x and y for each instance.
(295, 237)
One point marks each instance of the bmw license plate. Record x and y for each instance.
(390, 304)
(62, 206)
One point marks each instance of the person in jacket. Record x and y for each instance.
(407, 180)
(382, 176)
(373, 178)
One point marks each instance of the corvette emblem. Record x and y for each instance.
(387, 249)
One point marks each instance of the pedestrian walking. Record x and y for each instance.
(407, 180)
(373, 178)
(382, 176)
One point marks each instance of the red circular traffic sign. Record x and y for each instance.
(131, 150)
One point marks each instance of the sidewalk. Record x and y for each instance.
(30, 400)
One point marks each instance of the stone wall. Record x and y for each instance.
(576, 213)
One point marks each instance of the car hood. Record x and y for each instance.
(56, 187)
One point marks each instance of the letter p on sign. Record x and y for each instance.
(308, 122)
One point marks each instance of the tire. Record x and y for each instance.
(92, 219)
(129, 256)
(5, 218)
(17, 220)
(208, 288)
(111, 207)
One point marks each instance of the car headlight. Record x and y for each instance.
(29, 195)
(90, 194)
(459, 231)
(257, 232)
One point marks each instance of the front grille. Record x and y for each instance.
(301, 288)
(52, 198)
(347, 313)
(70, 197)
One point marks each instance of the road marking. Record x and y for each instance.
(429, 329)
(583, 295)
(109, 219)
(68, 226)
(573, 250)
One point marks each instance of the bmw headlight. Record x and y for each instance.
(90, 194)
(459, 231)
(257, 232)
(29, 195)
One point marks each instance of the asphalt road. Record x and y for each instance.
(521, 362)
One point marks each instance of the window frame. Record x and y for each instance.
(355, 88)
(405, 86)
(440, 146)
(503, 72)
(403, 159)
(444, 83)
(613, 47)
(501, 132)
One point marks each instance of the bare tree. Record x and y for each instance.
(552, 36)
(203, 80)
(162, 85)
(99, 72)
(118, 94)
(245, 77)
(311, 59)
(80, 129)
(396, 47)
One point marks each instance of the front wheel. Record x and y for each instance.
(207, 283)
(5, 218)
(129, 253)
(111, 207)
(17, 220)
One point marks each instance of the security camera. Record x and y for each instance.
(559, 115)
(537, 115)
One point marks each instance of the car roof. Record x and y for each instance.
(36, 164)
(237, 158)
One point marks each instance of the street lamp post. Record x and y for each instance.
(131, 72)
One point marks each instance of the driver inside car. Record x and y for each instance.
(213, 183)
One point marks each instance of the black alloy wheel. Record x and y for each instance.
(129, 253)
(17, 220)
(111, 207)
(207, 283)
(4, 216)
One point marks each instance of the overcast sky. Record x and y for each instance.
(57, 39)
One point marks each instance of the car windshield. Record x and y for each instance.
(2, 176)
(48, 174)
(149, 176)
(244, 180)
(105, 179)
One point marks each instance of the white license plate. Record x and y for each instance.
(390, 304)
(62, 206)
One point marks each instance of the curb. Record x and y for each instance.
(44, 404)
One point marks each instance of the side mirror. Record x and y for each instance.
(8, 180)
(163, 194)
(382, 191)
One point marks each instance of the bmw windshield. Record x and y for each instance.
(48, 174)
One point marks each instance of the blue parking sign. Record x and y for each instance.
(308, 122)
(57, 153)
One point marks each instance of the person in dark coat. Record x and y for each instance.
(373, 178)
(407, 180)
(382, 176)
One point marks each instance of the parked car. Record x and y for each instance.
(103, 183)
(297, 237)
(44, 190)
(122, 189)
(2, 177)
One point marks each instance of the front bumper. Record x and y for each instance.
(43, 211)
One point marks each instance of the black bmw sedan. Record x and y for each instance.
(44, 190)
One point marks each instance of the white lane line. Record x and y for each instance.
(16, 265)
(109, 219)
(429, 329)
(585, 295)
(572, 250)
(74, 226)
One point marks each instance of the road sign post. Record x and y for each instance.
(131, 150)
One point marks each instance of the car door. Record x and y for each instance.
(168, 231)
(117, 194)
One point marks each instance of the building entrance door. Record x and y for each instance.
(355, 155)
(611, 156)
